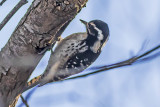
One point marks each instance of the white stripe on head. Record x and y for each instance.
(96, 46)
(91, 32)
(100, 35)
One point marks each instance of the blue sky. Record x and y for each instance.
(131, 23)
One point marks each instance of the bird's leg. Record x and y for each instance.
(50, 45)
(59, 39)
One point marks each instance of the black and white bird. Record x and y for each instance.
(76, 52)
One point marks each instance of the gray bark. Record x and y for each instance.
(45, 20)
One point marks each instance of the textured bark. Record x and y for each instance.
(44, 21)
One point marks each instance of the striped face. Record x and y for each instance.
(98, 32)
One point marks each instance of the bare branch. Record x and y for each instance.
(44, 20)
(24, 101)
(1, 3)
(13, 11)
(28, 96)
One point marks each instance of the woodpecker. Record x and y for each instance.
(75, 53)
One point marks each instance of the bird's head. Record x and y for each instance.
(98, 32)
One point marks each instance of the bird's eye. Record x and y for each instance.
(89, 25)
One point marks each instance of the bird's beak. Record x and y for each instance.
(84, 22)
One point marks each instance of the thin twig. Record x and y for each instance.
(27, 97)
(24, 101)
(13, 11)
(1, 3)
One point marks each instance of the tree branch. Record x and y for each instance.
(13, 11)
(44, 20)
(1, 3)
(24, 101)
(28, 96)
